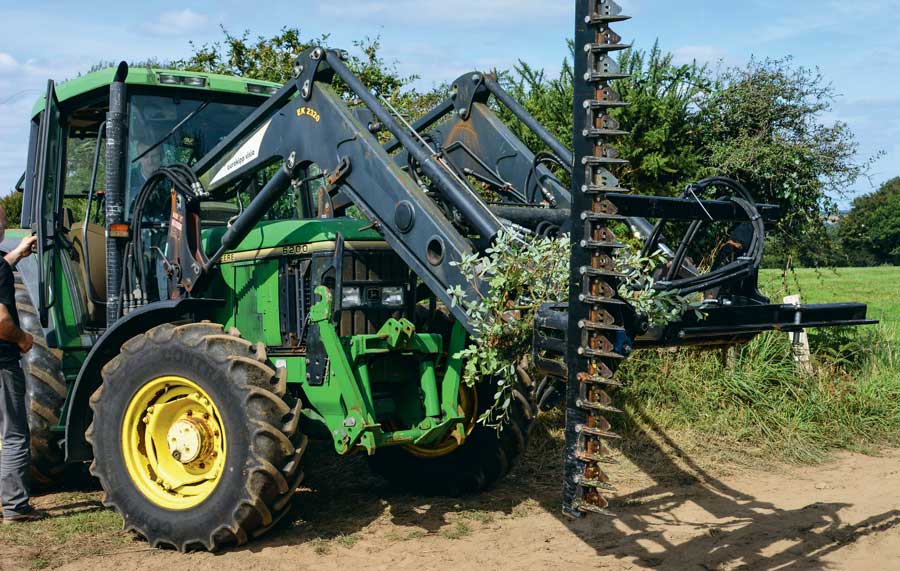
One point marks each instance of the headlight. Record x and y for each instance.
(350, 297)
(392, 296)
(195, 81)
(170, 79)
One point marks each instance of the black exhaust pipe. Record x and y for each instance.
(116, 146)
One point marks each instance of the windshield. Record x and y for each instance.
(165, 130)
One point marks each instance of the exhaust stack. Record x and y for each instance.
(116, 141)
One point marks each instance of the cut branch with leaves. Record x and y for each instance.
(522, 273)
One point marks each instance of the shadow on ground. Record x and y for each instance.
(757, 535)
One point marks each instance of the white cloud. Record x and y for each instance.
(176, 23)
(21, 85)
(833, 15)
(13, 139)
(7, 63)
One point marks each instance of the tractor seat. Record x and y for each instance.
(96, 240)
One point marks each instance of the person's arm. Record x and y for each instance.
(11, 332)
(23, 250)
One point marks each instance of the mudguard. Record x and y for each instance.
(78, 416)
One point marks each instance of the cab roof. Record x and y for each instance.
(152, 76)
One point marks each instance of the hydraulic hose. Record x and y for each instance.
(184, 182)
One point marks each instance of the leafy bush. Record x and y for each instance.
(870, 234)
(522, 273)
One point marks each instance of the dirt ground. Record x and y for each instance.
(674, 512)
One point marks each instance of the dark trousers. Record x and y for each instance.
(15, 458)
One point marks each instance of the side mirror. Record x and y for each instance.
(20, 185)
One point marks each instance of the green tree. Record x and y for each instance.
(663, 145)
(12, 204)
(271, 59)
(870, 234)
(764, 126)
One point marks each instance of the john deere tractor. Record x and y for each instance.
(227, 267)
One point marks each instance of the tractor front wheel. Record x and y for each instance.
(194, 443)
(485, 456)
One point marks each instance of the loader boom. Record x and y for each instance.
(306, 122)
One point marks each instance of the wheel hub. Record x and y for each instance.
(189, 439)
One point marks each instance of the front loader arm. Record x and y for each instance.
(308, 123)
(466, 129)
(479, 144)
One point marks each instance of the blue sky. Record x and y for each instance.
(856, 45)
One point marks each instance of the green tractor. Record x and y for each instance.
(195, 410)
(227, 267)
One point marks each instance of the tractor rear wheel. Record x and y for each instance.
(485, 456)
(45, 395)
(194, 442)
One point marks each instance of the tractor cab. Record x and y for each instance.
(172, 117)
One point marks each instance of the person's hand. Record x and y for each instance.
(26, 343)
(25, 247)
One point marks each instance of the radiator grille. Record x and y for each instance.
(366, 269)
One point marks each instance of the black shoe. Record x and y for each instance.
(33, 515)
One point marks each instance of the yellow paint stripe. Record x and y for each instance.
(300, 250)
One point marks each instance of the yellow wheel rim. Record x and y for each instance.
(173, 443)
(468, 402)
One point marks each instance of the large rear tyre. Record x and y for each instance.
(485, 457)
(45, 395)
(194, 443)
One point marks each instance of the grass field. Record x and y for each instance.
(878, 287)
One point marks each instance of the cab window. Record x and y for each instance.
(81, 153)
(167, 130)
